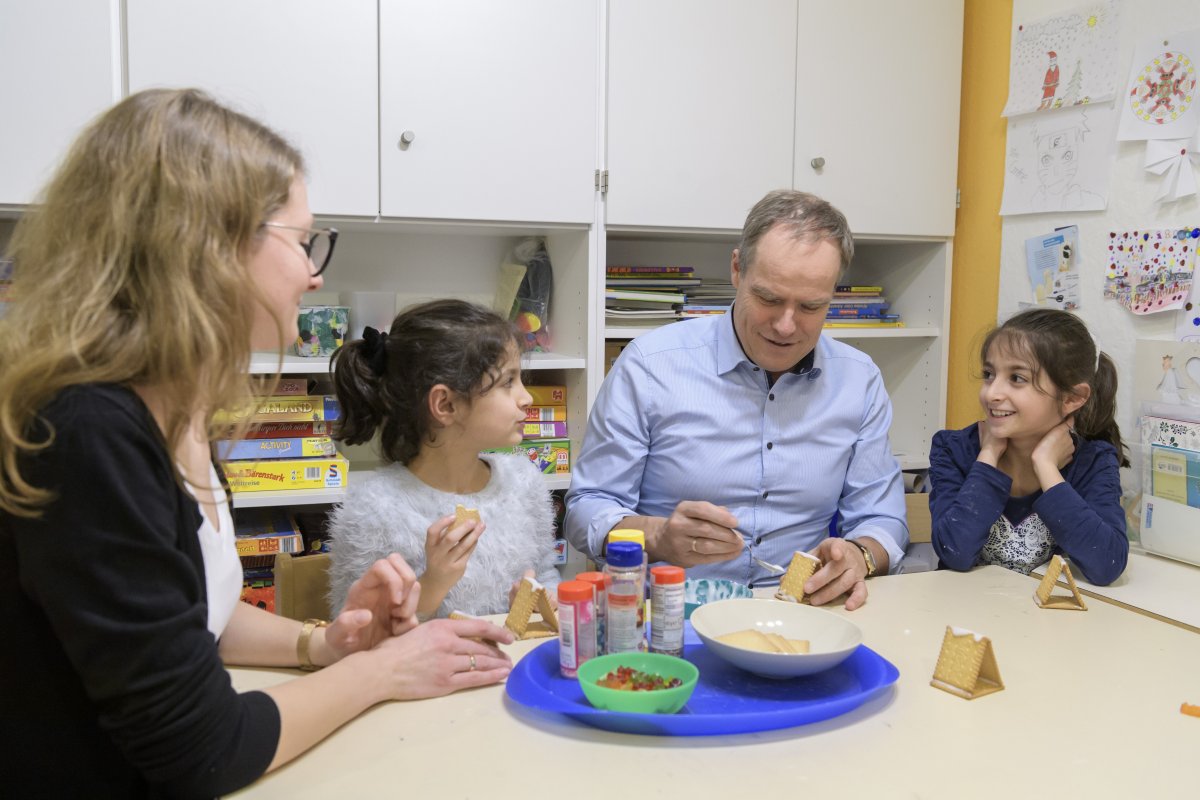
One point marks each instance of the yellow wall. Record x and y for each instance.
(976, 271)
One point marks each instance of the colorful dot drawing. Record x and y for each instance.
(1150, 271)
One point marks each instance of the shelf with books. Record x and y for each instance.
(913, 279)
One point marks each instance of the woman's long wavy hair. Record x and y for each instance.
(132, 268)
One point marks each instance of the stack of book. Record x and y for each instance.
(855, 306)
(545, 435)
(710, 297)
(288, 445)
(647, 292)
(261, 534)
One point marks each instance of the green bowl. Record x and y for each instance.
(698, 591)
(658, 701)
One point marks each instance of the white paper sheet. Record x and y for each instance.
(1059, 161)
(1159, 99)
(1174, 159)
(1066, 60)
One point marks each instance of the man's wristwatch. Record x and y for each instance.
(867, 556)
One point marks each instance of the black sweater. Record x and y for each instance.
(110, 682)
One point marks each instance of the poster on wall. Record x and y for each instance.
(1069, 59)
(1151, 271)
(1159, 101)
(1060, 161)
(1052, 263)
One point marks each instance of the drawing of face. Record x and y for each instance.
(1057, 155)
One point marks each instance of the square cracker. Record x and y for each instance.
(801, 568)
(462, 514)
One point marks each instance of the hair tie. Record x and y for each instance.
(375, 349)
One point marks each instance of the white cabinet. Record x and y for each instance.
(307, 68)
(877, 103)
(62, 65)
(489, 110)
(712, 104)
(700, 109)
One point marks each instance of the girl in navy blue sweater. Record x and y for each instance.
(1040, 474)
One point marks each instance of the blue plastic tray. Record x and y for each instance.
(727, 700)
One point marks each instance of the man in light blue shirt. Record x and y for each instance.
(739, 436)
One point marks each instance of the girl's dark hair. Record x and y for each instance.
(450, 342)
(1058, 344)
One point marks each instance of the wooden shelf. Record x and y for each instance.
(266, 363)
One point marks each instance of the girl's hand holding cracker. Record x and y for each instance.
(381, 604)
(843, 570)
(448, 548)
(443, 656)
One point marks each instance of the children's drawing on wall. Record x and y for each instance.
(1066, 60)
(1175, 160)
(1187, 321)
(1059, 161)
(1160, 97)
(1052, 262)
(1151, 271)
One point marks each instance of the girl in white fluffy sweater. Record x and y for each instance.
(441, 385)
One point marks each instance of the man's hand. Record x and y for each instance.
(844, 569)
(697, 532)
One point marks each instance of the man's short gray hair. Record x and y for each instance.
(806, 217)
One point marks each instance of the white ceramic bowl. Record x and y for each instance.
(832, 638)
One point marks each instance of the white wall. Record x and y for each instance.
(1131, 206)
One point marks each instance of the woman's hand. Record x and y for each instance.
(991, 447)
(443, 656)
(381, 604)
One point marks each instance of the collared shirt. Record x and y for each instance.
(685, 415)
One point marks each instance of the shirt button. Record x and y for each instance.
(771, 396)
(770, 445)
(766, 495)
(756, 369)
(758, 540)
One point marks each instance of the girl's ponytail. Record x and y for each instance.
(1097, 418)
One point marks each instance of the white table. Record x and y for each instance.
(1090, 709)
(1159, 587)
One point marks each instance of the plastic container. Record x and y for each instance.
(635, 535)
(657, 701)
(600, 583)
(576, 626)
(666, 593)
(626, 624)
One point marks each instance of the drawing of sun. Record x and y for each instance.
(1093, 21)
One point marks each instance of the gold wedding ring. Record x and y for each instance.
(694, 550)
(472, 663)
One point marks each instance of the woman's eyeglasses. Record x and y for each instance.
(318, 248)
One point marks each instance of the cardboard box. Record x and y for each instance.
(296, 473)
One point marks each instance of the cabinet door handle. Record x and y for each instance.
(817, 162)
(406, 139)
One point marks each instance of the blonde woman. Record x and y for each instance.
(175, 237)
